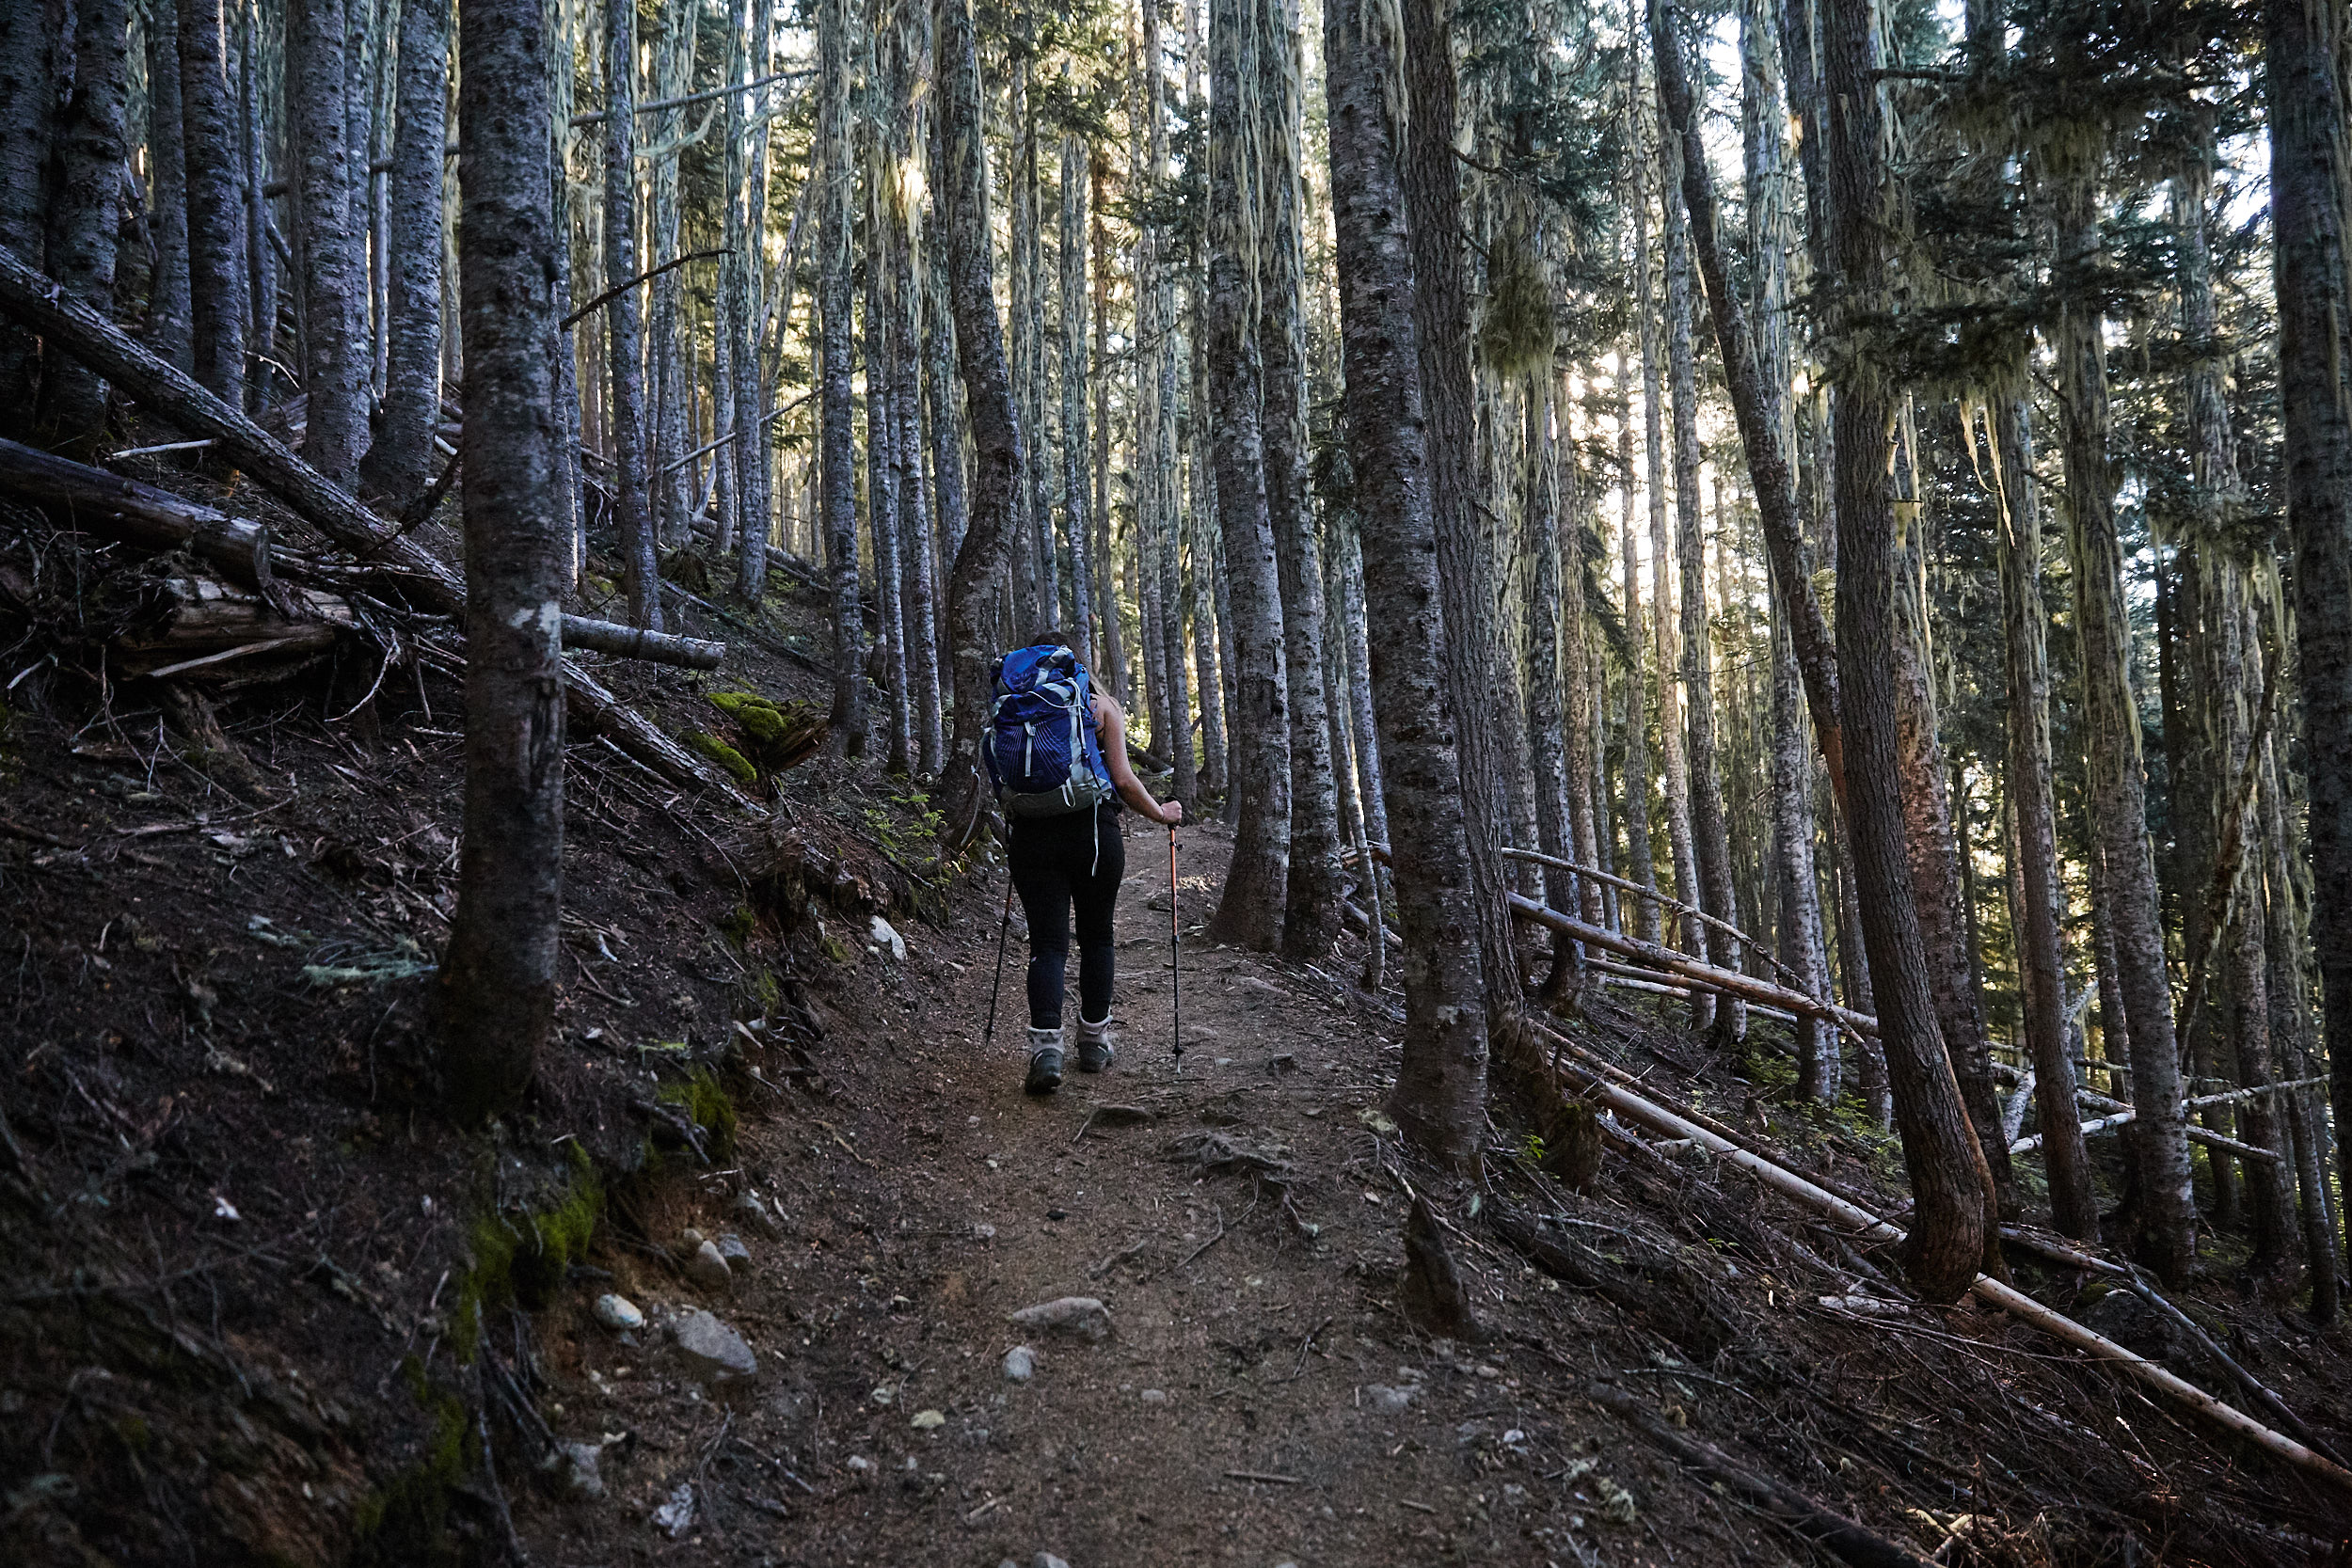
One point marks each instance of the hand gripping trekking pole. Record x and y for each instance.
(1175, 973)
(988, 1035)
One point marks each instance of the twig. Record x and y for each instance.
(1210, 1243)
(1262, 1476)
(619, 289)
(1298, 1368)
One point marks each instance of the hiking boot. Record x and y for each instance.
(1044, 1061)
(1095, 1051)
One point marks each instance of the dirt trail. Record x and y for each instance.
(1257, 1400)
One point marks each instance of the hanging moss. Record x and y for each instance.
(1516, 329)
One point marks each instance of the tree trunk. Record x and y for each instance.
(1440, 1098)
(673, 360)
(1312, 904)
(1077, 482)
(1709, 883)
(962, 194)
(32, 60)
(1353, 617)
(837, 449)
(881, 443)
(327, 248)
(1440, 297)
(2304, 48)
(1546, 725)
(400, 464)
(170, 329)
(1577, 663)
(1647, 922)
(754, 507)
(1949, 1184)
(2116, 787)
(219, 279)
(1250, 912)
(1108, 620)
(84, 211)
(497, 975)
(2288, 988)
(623, 346)
(916, 542)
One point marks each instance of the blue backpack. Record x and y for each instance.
(1041, 751)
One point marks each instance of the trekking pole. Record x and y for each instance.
(988, 1036)
(1175, 972)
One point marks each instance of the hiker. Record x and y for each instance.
(1057, 749)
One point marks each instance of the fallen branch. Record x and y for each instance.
(86, 334)
(2205, 1136)
(1865, 1226)
(1643, 890)
(598, 117)
(657, 647)
(1787, 1507)
(619, 289)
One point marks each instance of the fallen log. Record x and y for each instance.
(1642, 889)
(1865, 1226)
(1724, 982)
(2205, 1136)
(157, 519)
(170, 394)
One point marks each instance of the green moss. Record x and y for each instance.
(707, 1105)
(405, 1520)
(725, 756)
(523, 1258)
(772, 735)
(740, 924)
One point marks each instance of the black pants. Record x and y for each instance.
(1060, 862)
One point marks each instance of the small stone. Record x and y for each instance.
(884, 1395)
(708, 1268)
(886, 936)
(929, 1420)
(1199, 1033)
(689, 1239)
(618, 1312)
(676, 1516)
(1083, 1316)
(983, 1231)
(736, 1255)
(712, 1348)
(1154, 1396)
(1388, 1400)
(754, 1211)
(1047, 1560)
(578, 1462)
(1020, 1363)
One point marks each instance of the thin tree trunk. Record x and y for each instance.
(1440, 1098)
(1311, 920)
(624, 350)
(837, 451)
(1353, 617)
(1949, 1184)
(1647, 922)
(882, 465)
(497, 975)
(754, 505)
(2288, 988)
(1441, 297)
(219, 283)
(1108, 620)
(1577, 670)
(261, 271)
(1250, 913)
(915, 541)
(327, 254)
(1710, 886)
(400, 465)
(673, 360)
(84, 212)
(962, 194)
(1077, 482)
(171, 328)
(2116, 786)
(1666, 650)
(1546, 725)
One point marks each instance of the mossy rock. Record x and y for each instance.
(775, 735)
(707, 1104)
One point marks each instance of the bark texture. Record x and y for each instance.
(218, 280)
(170, 331)
(1439, 1098)
(400, 465)
(497, 975)
(1250, 912)
(84, 211)
(624, 346)
(836, 441)
(328, 237)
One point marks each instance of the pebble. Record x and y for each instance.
(712, 1348)
(884, 935)
(618, 1312)
(1021, 1363)
(708, 1269)
(1079, 1315)
(733, 1252)
(753, 1210)
(579, 1464)
(928, 1421)
(884, 1395)
(1388, 1399)
(1047, 1560)
(1154, 1396)
(676, 1516)
(1199, 1033)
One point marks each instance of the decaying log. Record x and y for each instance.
(428, 582)
(191, 625)
(1643, 1282)
(658, 647)
(1849, 1542)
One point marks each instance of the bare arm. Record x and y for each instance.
(1110, 727)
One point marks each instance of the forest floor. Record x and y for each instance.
(261, 1304)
